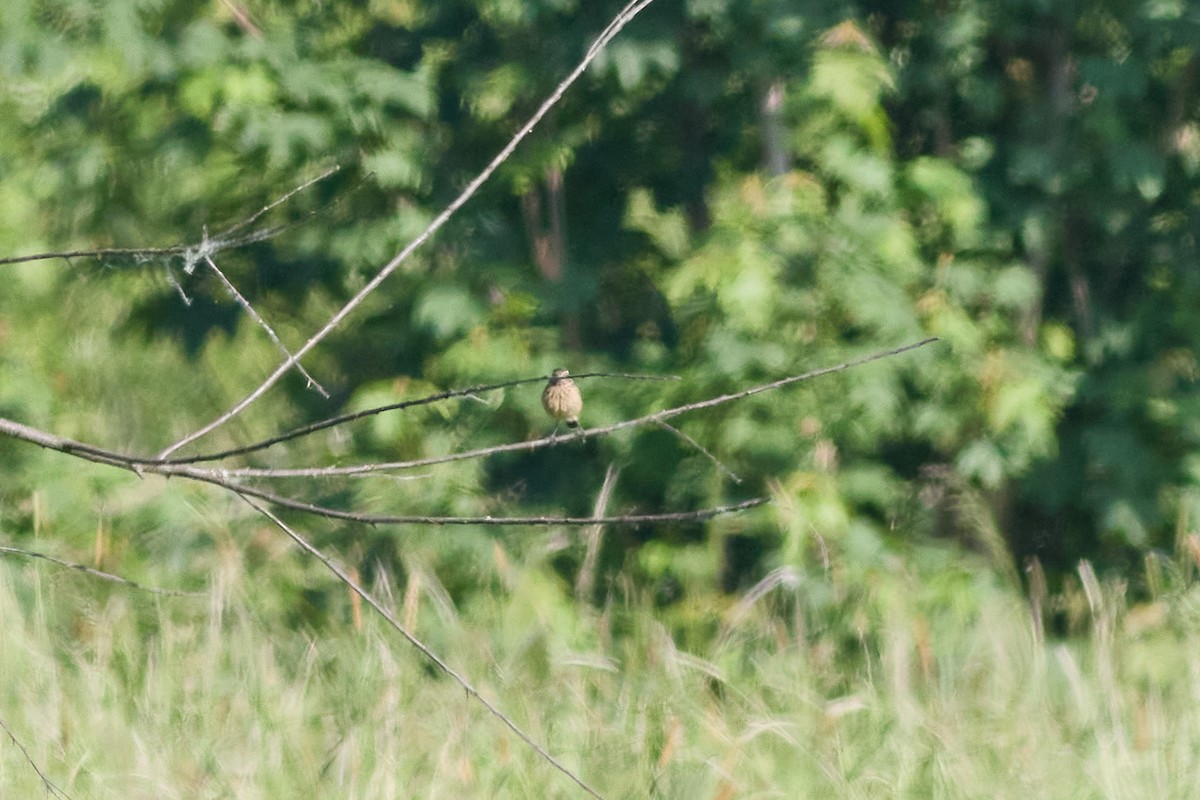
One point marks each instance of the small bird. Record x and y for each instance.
(561, 399)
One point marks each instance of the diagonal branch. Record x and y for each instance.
(391, 620)
(96, 573)
(257, 215)
(262, 323)
(704, 450)
(623, 18)
(341, 419)
(46, 782)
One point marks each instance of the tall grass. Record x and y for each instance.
(906, 681)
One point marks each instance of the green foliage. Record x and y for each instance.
(1084, 171)
(731, 193)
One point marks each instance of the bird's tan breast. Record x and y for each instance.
(562, 400)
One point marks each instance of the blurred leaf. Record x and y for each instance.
(447, 311)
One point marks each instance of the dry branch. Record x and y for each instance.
(46, 782)
(262, 323)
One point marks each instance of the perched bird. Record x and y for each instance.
(561, 399)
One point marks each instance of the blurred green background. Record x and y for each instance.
(732, 193)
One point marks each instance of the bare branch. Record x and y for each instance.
(50, 787)
(698, 515)
(103, 252)
(219, 478)
(622, 19)
(257, 215)
(243, 19)
(190, 253)
(625, 375)
(107, 576)
(62, 444)
(262, 323)
(716, 461)
(341, 574)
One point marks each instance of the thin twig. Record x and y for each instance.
(190, 252)
(103, 252)
(697, 515)
(626, 375)
(701, 448)
(243, 19)
(467, 687)
(257, 215)
(249, 309)
(622, 19)
(50, 787)
(108, 576)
